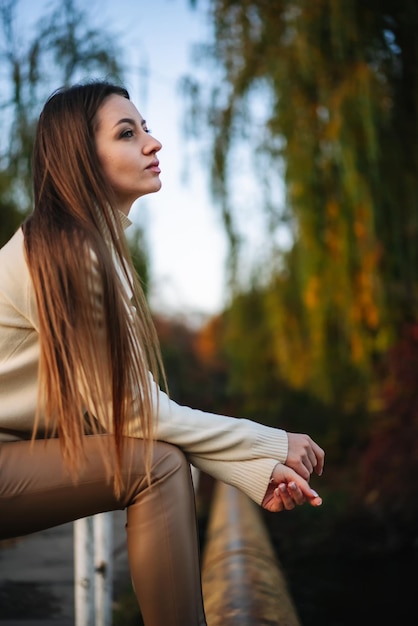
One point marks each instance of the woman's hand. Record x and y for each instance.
(304, 455)
(287, 489)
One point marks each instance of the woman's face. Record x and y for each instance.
(126, 151)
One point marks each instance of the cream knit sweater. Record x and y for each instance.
(237, 451)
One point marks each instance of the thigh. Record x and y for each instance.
(37, 491)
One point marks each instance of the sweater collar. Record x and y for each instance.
(124, 220)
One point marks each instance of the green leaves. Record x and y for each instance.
(63, 48)
(342, 107)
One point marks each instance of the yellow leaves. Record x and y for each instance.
(312, 293)
(366, 282)
(372, 316)
(333, 233)
(332, 209)
(291, 354)
(359, 230)
(363, 220)
(365, 301)
(296, 191)
(357, 347)
(333, 242)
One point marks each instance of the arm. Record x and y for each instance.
(216, 437)
(240, 452)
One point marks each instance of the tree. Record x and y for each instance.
(337, 87)
(62, 50)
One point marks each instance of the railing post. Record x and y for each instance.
(93, 567)
(93, 570)
(84, 572)
(103, 587)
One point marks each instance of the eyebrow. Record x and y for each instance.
(129, 120)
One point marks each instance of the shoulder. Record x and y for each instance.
(12, 255)
(15, 281)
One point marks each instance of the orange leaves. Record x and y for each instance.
(312, 294)
(208, 339)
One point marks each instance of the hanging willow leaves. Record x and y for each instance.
(62, 49)
(342, 124)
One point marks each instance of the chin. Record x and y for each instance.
(156, 188)
(151, 189)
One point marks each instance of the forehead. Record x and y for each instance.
(114, 109)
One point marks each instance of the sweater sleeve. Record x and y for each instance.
(251, 477)
(237, 451)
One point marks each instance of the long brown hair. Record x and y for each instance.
(97, 346)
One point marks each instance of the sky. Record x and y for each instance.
(186, 244)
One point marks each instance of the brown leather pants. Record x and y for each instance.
(37, 492)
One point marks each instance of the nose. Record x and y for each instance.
(153, 145)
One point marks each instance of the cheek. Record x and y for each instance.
(105, 162)
(121, 166)
(122, 169)
(113, 169)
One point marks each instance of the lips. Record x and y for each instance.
(154, 166)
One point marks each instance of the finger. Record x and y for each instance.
(315, 499)
(310, 494)
(296, 493)
(301, 469)
(276, 504)
(312, 457)
(320, 455)
(286, 499)
(307, 462)
(272, 501)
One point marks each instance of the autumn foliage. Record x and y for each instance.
(390, 464)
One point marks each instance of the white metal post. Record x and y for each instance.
(93, 567)
(84, 572)
(103, 579)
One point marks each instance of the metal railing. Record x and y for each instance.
(93, 567)
(242, 581)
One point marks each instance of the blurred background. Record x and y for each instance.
(280, 258)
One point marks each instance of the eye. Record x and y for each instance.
(127, 134)
(145, 127)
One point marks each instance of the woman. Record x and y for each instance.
(84, 427)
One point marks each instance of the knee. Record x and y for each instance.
(167, 460)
